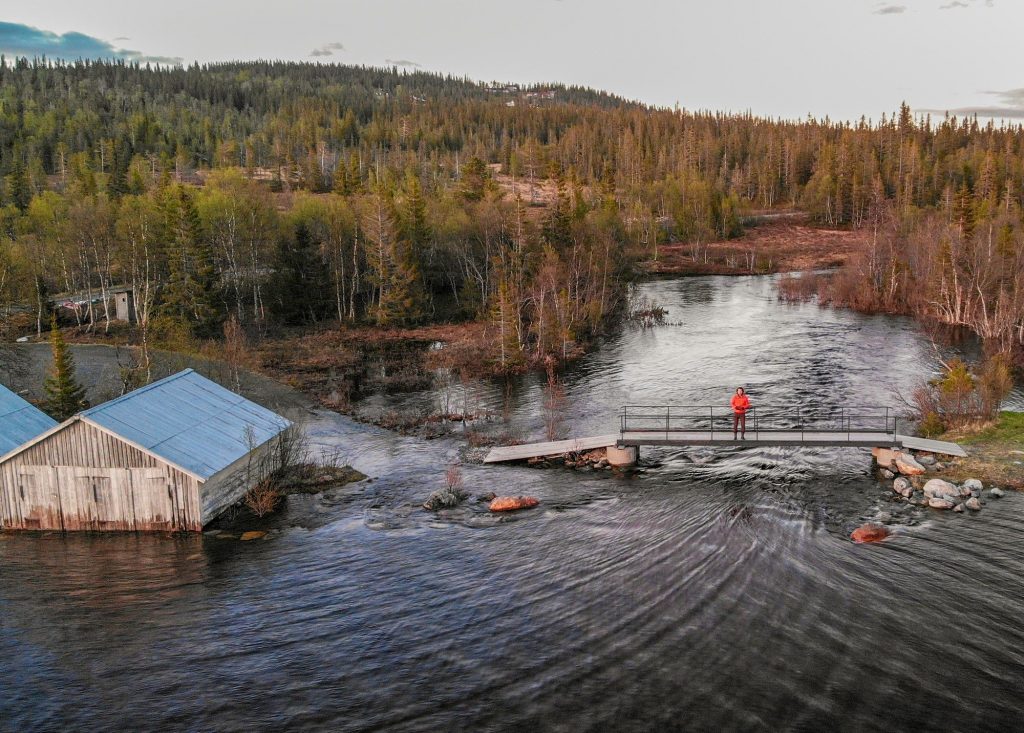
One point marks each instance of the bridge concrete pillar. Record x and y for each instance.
(623, 457)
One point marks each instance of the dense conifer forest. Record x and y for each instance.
(279, 195)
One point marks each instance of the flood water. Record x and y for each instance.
(716, 589)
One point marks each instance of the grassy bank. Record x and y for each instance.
(996, 452)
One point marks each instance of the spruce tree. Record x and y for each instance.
(300, 283)
(64, 395)
(188, 297)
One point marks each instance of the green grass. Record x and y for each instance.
(1009, 428)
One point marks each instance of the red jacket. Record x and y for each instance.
(740, 403)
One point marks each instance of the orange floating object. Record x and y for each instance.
(869, 533)
(512, 503)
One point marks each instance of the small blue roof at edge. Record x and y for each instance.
(20, 422)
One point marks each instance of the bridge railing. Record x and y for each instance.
(718, 420)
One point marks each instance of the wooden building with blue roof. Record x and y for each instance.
(169, 456)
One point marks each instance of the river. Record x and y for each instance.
(715, 589)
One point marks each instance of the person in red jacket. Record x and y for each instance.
(740, 407)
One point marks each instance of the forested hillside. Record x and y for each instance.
(286, 194)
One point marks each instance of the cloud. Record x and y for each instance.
(327, 49)
(890, 9)
(1010, 105)
(24, 40)
(403, 62)
(953, 4)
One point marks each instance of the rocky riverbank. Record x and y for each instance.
(914, 480)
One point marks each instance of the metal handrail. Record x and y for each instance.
(702, 418)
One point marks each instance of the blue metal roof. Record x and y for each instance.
(20, 422)
(189, 421)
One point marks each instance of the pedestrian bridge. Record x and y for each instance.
(669, 425)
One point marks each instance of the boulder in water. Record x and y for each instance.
(973, 484)
(446, 498)
(973, 504)
(996, 493)
(906, 465)
(959, 508)
(887, 474)
(869, 532)
(513, 503)
(939, 503)
(903, 487)
(937, 488)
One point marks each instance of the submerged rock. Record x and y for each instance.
(445, 498)
(489, 496)
(512, 503)
(869, 532)
(253, 535)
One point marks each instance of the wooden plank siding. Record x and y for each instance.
(230, 484)
(82, 478)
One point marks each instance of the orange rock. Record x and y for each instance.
(254, 535)
(511, 503)
(869, 533)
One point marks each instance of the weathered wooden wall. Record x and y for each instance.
(230, 484)
(82, 478)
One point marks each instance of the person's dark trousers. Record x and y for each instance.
(739, 419)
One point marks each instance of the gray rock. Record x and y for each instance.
(937, 503)
(937, 488)
(445, 498)
(973, 504)
(903, 487)
(964, 492)
(938, 467)
(926, 460)
(959, 508)
(976, 493)
(996, 493)
(887, 474)
(973, 484)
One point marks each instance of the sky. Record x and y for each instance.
(775, 58)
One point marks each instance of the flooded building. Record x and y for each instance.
(169, 456)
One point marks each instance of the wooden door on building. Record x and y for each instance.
(37, 498)
(97, 498)
(153, 496)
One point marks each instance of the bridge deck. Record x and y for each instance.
(551, 448)
(816, 439)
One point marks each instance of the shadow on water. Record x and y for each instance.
(712, 589)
